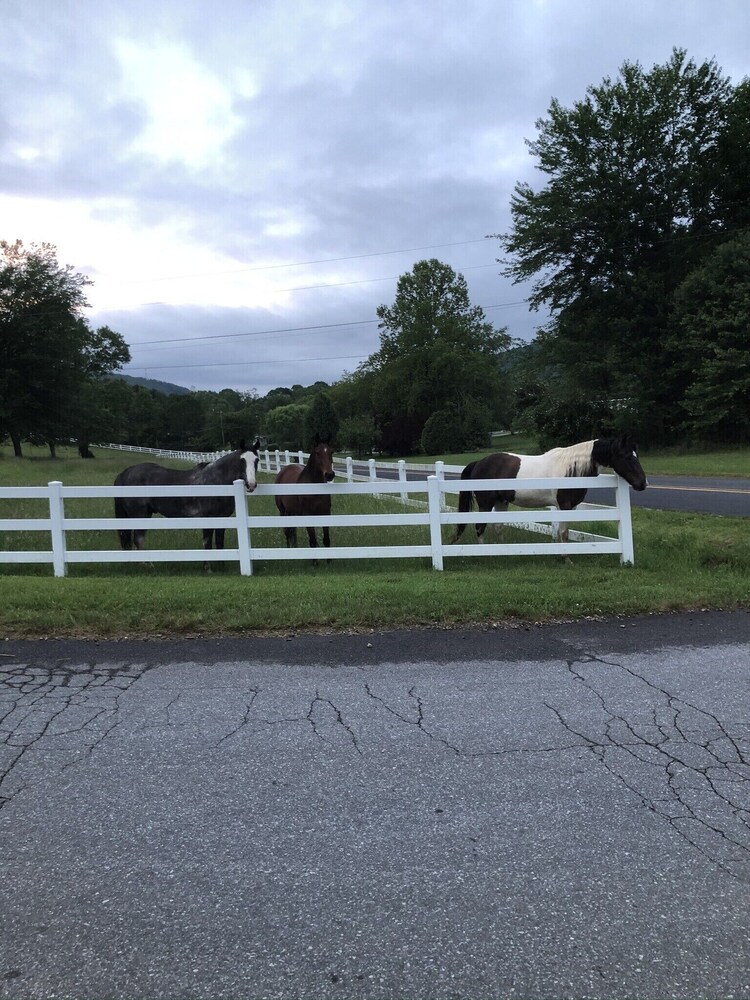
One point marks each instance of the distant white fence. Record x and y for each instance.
(433, 517)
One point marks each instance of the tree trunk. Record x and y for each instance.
(52, 453)
(16, 439)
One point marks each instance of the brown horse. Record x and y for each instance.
(319, 469)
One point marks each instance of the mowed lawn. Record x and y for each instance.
(682, 561)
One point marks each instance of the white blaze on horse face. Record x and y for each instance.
(251, 462)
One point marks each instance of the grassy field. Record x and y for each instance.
(682, 561)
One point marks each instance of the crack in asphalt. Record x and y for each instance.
(418, 722)
(681, 762)
(33, 698)
(685, 765)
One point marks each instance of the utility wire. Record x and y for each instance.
(305, 263)
(291, 330)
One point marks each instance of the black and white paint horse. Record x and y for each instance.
(240, 464)
(584, 459)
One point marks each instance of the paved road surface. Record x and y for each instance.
(729, 497)
(556, 811)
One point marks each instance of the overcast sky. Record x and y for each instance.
(245, 180)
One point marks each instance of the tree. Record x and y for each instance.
(322, 420)
(713, 328)
(47, 350)
(359, 433)
(285, 425)
(436, 350)
(637, 194)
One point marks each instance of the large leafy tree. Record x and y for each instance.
(436, 351)
(322, 421)
(713, 316)
(47, 350)
(642, 177)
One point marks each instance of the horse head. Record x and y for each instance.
(249, 460)
(625, 461)
(322, 457)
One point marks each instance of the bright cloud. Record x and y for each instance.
(189, 111)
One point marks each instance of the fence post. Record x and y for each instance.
(349, 469)
(56, 514)
(278, 460)
(373, 473)
(624, 522)
(243, 528)
(436, 536)
(402, 478)
(440, 473)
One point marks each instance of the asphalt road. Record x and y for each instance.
(553, 811)
(697, 494)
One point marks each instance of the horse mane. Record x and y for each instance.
(576, 460)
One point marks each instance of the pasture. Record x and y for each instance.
(682, 561)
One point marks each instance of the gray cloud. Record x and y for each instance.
(348, 129)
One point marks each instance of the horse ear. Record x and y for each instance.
(316, 439)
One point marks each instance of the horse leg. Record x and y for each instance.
(207, 536)
(313, 542)
(499, 529)
(485, 503)
(291, 537)
(126, 538)
(561, 535)
(327, 541)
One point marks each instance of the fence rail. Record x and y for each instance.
(433, 515)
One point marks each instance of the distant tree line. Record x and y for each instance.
(638, 243)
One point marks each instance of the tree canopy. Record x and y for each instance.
(436, 350)
(645, 178)
(48, 352)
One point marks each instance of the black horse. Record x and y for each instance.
(583, 459)
(240, 464)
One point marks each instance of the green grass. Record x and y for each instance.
(682, 561)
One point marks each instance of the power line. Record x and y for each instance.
(244, 364)
(305, 263)
(293, 330)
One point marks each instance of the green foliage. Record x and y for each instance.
(442, 432)
(358, 434)
(436, 351)
(285, 425)
(643, 175)
(322, 421)
(713, 323)
(47, 350)
(562, 421)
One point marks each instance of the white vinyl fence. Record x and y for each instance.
(431, 516)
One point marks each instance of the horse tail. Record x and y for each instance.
(466, 497)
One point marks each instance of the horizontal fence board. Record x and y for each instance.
(532, 548)
(521, 516)
(150, 555)
(538, 483)
(343, 552)
(150, 523)
(337, 520)
(26, 524)
(25, 557)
